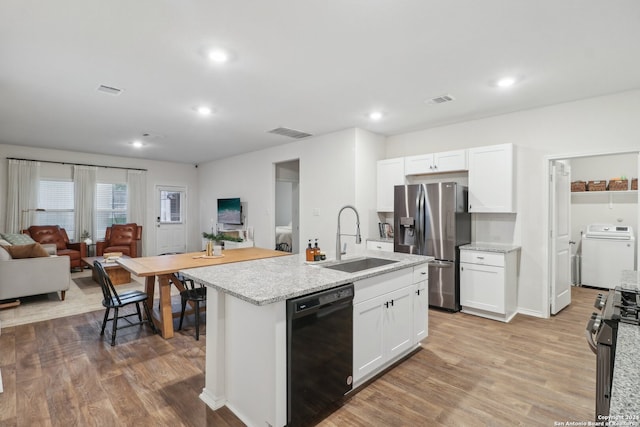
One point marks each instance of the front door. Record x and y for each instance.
(171, 221)
(561, 232)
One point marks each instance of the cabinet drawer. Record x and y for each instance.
(482, 258)
(375, 245)
(420, 273)
(379, 285)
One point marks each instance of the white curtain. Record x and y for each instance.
(22, 193)
(84, 194)
(137, 196)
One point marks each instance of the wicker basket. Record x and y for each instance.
(596, 185)
(634, 184)
(618, 185)
(578, 186)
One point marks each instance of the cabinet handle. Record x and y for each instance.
(461, 268)
(388, 303)
(480, 257)
(418, 292)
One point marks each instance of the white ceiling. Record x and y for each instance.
(313, 65)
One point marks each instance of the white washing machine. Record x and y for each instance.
(606, 251)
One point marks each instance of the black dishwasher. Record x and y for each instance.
(319, 354)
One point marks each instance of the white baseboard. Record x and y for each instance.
(211, 400)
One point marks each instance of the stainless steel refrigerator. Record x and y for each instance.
(432, 219)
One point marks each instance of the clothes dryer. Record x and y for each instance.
(606, 251)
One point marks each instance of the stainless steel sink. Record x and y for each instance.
(355, 265)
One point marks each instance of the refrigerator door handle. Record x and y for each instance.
(440, 264)
(421, 218)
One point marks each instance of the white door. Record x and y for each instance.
(171, 219)
(560, 272)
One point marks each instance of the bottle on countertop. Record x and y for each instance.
(316, 252)
(310, 252)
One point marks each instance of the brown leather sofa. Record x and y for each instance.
(53, 234)
(123, 238)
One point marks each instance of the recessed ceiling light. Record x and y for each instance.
(137, 144)
(375, 115)
(506, 82)
(219, 56)
(203, 110)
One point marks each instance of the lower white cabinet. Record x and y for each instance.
(389, 319)
(421, 310)
(488, 284)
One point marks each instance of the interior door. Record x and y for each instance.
(171, 220)
(560, 273)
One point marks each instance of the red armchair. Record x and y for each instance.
(123, 238)
(53, 234)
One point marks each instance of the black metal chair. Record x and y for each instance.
(284, 247)
(195, 294)
(115, 301)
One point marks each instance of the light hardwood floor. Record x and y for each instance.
(471, 372)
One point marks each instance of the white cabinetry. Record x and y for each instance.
(376, 245)
(386, 323)
(390, 174)
(448, 161)
(492, 179)
(488, 283)
(421, 303)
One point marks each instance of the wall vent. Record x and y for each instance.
(110, 90)
(440, 99)
(291, 133)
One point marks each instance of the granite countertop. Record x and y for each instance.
(630, 279)
(625, 386)
(490, 247)
(269, 280)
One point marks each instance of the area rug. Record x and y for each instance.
(84, 295)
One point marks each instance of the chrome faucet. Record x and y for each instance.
(357, 235)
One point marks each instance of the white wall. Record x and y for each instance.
(158, 173)
(284, 195)
(595, 125)
(330, 177)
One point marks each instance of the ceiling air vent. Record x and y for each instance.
(291, 133)
(110, 90)
(440, 99)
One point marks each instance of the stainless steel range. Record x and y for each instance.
(619, 305)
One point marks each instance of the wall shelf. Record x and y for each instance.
(629, 196)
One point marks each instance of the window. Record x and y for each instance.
(171, 207)
(56, 198)
(111, 206)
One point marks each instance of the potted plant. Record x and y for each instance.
(218, 238)
(86, 237)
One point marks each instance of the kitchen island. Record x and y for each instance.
(246, 325)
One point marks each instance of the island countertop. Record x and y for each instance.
(269, 280)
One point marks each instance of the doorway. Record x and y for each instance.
(171, 219)
(583, 209)
(287, 205)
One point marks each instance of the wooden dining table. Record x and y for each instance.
(165, 267)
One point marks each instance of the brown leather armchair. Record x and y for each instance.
(123, 238)
(53, 234)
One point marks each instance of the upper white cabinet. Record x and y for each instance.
(448, 161)
(390, 174)
(492, 179)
